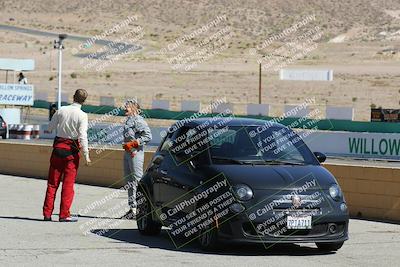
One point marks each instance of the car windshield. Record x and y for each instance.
(254, 145)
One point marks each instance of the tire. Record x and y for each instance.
(146, 225)
(208, 238)
(329, 246)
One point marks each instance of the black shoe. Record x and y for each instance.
(130, 215)
(47, 219)
(69, 219)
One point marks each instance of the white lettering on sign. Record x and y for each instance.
(16, 94)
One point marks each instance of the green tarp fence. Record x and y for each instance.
(331, 125)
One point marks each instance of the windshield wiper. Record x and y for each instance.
(282, 162)
(258, 161)
(229, 160)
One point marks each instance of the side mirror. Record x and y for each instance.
(320, 156)
(158, 159)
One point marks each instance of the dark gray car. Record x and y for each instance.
(240, 180)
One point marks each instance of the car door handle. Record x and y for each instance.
(167, 179)
(163, 172)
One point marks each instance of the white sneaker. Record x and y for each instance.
(129, 215)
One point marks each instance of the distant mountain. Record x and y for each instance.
(251, 20)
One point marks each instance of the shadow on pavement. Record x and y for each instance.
(96, 217)
(163, 242)
(21, 218)
(55, 218)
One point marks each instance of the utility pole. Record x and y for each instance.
(259, 86)
(58, 44)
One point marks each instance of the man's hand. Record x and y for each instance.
(88, 161)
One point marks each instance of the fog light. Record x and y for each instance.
(243, 192)
(236, 207)
(332, 228)
(343, 207)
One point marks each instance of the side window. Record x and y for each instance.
(189, 144)
(179, 141)
(166, 145)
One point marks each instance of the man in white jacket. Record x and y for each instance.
(71, 125)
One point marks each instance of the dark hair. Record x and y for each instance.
(80, 96)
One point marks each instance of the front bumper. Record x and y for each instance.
(240, 229)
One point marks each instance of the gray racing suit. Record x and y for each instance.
(135, 128)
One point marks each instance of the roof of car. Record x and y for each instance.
(227, 121)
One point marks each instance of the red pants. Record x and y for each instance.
(65, 169)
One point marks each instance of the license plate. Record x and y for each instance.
(299, 222)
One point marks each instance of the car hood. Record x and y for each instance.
(276, 176)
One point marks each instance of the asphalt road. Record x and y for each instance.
(27, 240)
(82, 39)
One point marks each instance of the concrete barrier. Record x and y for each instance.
(187, 105)
(296, 111)
(12, 131)
(24, 131)
(370, 192)
(107, 101)
(36, 131)
(160, 104)
(18, 131)
(339, 113)
(32, 160)
(258, 109)
(226, 108)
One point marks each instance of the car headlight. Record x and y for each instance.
(243, 192)
(334, 192)
(343, 207)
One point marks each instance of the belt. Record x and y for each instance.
(64, 147)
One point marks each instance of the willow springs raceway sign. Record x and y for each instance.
(363, 145)
(16, 94)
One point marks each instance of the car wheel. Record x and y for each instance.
(330, 246)
(208, 238)
(144, 220)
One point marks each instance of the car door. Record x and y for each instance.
(176, 179)
(158, 180)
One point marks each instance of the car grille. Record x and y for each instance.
(317, 230)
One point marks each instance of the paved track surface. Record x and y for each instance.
(122, 47)
(27, 240)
